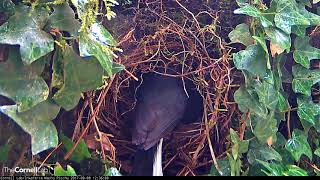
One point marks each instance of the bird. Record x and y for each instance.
(161, 104)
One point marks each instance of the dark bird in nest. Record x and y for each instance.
(161, 104)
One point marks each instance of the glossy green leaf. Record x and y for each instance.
(252, 59)
(238, 146)
(299, 30)
(266, 93)
(265, 128)
(37, 122)
(57, 69)
(298, 145)
(317, 152)
(7, 6)
(262, 41)
(98, 44)
(112, 172)
(314, 19)
(59, 171)
(4, 152)
(79, 76)
(224, 166)
(254, 12)
(247, 101)
(279, 169)
(25, 29)
(304, 79)
(288, 15)
(80, 153)
(263, 152)
(304, 52)
(63, 18)
(22, 84)
(308, 110)
(294, 170)
(279, 38)
(241, 34)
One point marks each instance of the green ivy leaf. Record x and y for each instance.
(37, 122)
(317, 152)
(97, 43)
(279, 38)
(238, 146)
(298, 145)
(262, 41)
(80, 153)
(287, 15)
(264, 153)
(247, 101)
(308, 110)
(314, 19)
(252, 59)
(299, 30)
(79, 76)
(304, 52)
(63, 18)
(304, 79)
(266, 93)
(241, 34)
(265, 128)
(57, 69)
(294, 170)
(4, 151)
(25, 29)
(112, 172)
(7, 6)
(254, 12)
(22, 84)
(279, 169)
(59, 171)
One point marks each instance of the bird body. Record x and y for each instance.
(161, 103)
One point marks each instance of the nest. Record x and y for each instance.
(178, 39)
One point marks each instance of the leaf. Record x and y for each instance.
(265, 128)
(112, 172)
(4, 152)
(307, 110)
(80, 153)
(97, 43)
(25, 29)
(224, 166)
(317, 152)
(57, 69)
(241, 34)
(7, 6)
(22, 84)
(252, 59)
(266, 93)
(298, 145)
(280, 41)
(79, 76)
(247, 101)
(304, 52)
(36, 122)
(116, 67)
(59, 171)
(287, 15)
(63, 18)
(314, 19)
(238, 146)
(299, 30)
(279, 169)
(304, 79)
(254, 12)
(264, 153)
(294, 170)
(261, 40)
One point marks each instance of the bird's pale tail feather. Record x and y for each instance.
(157, 163)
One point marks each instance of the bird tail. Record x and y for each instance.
(148, 162)
(157, 162)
